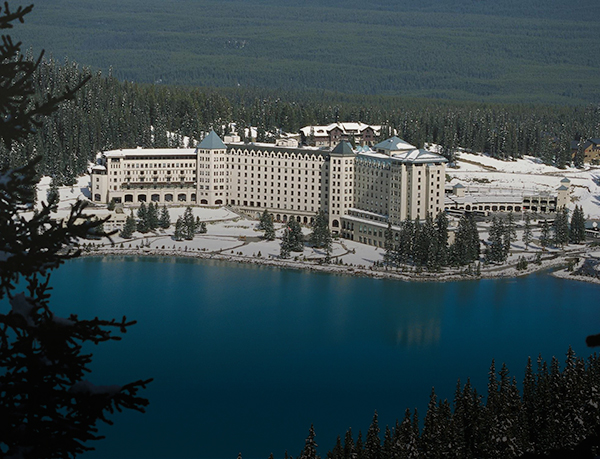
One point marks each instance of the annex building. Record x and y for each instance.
(360, 190)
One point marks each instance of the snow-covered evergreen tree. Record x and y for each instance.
(527, 231)
(296, 238)
(142, 213)
(466, 245)
(321, 235)
(179, 232)
(129, 227)
(189, 224)
(286, 243)
(561, 227)
(310, 446)
(389, 246)
(164, 220)
(152, 216)
(496, 249)
(372, 449)
(47, 409)
(577, 228)
(544, 234)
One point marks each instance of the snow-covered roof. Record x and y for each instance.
(149, 152)
(419, 156)
(98, 167)
(347, 128)
(483, 199)
(212, 142)
(394, 144)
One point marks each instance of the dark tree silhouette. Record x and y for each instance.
(47, 408)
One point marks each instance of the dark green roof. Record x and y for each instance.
(343, 148)
(212, 142)
(394, 144)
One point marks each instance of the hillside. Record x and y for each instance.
(494, 51)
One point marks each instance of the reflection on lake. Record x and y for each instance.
(245, 358)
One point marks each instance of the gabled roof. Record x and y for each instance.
(419, 156)
(562, 188)
(343, 148)
(595, 141)
(212, 142)
(394, 144)
(346, 128)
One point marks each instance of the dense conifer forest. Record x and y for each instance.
(109, 114)
(525, 51)
(554, 414)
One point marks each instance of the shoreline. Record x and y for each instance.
(488, 272)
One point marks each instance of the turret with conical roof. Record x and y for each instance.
(562, 193)
(341, 183)
(212, 142)
(211, 181)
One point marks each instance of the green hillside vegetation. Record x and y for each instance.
(109, 114)
(494, 51)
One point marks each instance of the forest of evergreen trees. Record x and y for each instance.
(554, 414)
(110, 114)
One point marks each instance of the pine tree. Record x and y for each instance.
(544, 234)
(373, 442)
(338, 451)
(164, 219)
(310, 446)
(152, 216)
(561, 227)
(47, 409)
(466, 245)
(285, 243)
(496, 250)
(405, 242)
(389, 246)
(348, 445)
(266, 225)
(387, 447)
(527, 231)
(577, 228)
(441, 226)
(320, 235)
(180, 232)
(511, 229)
(296, 239)
(142, 213)
(129, 227)
(263, 220)
(188, 224)
(52, 194)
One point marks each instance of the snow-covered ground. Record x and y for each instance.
(529, 174)
(233, 236)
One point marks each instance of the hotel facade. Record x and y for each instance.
(360, 190)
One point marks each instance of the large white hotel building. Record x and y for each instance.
(361, 190)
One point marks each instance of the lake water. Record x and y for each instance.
(245, 358)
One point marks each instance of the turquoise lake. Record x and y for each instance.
(244, 358)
